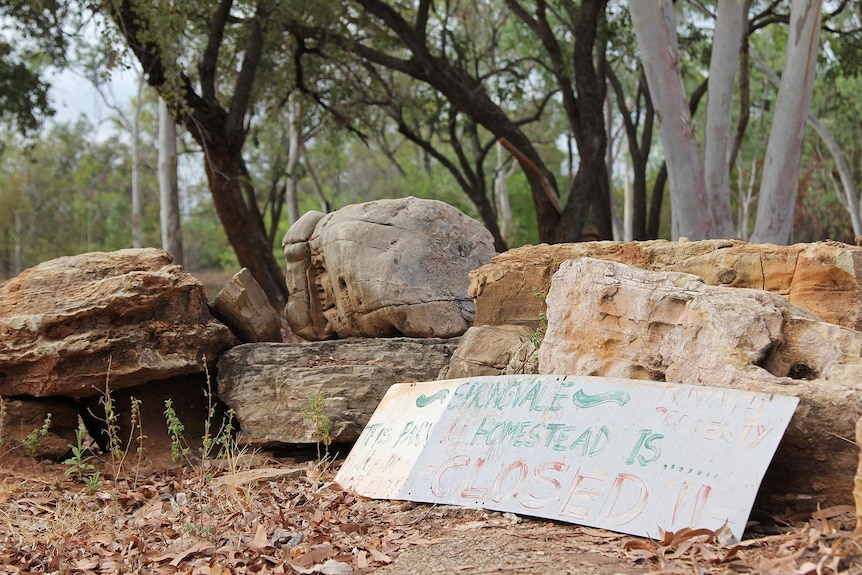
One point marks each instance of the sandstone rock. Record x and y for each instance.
(243, 306)
(610, 319)
(382, 269)
(823, 278)
(857, 483)
(495, 350)
(270, 385)
(66, 323)
(23, 416)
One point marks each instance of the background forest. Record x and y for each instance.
(533, 116)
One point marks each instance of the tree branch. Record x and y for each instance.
(207, 66)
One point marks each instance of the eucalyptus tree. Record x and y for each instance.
(422, 41)
(380, 103)
(34, 39)
(209, 62)
(701, 196)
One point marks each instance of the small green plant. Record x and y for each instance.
(179, 445)
(112, 427)
(34, 438)
(312, 413)
(137, 434)
(208, 442)
(93, 482)
(79, 464)
(538, 335)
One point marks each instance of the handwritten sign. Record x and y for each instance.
(390, 444)
(627, 455)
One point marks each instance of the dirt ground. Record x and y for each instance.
(285, 515)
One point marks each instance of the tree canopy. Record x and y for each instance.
(542, 118)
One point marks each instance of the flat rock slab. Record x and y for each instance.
(127, 317)
(383, 269)
(822, 278)
(273, 386)
(614, 320)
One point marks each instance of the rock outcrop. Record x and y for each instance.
(495, 350)
(382, 269)
(23, 417)
(273, 387)
(824, 278)
(615, 320)
(243, 306)
(130, 316)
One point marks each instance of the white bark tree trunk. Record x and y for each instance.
(169, 193)
(730, 22)
(501, 193)
(136, 162)
(745, 199)
(616, 220)
(851, 195)
(784, 151)
(655, 29)
(628, 205)
(294, 115)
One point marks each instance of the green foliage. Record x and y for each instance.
(79, 464)
(34, 438)
(23, 93)
(312, 413)
(93, 482)
(538, 334)
(179, 446)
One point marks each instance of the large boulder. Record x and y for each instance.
(384, 268)
(615, 320)
(823, 278)
(278, 389)
(128, 317)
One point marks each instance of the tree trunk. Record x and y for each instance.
(655, 28)
(784, 151)
(224, 169)
(294, 114)
(501, 194)
(589, 66)
(628, 206)
(727, 41)
(136, 163)
(851, 196)
(616, 221)
(220, 132)
(169, 191)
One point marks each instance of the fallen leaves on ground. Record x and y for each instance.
(193, 522)
(816, 547)
(278, 519)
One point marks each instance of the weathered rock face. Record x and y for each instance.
(610, 319)
(382, 269)
(243, 306)
(191, 400)
(270, 385)
(23, 416)
(495, 350)
(824, 278)
(66, 323)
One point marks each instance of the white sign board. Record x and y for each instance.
(627, 455)
(385, 453)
